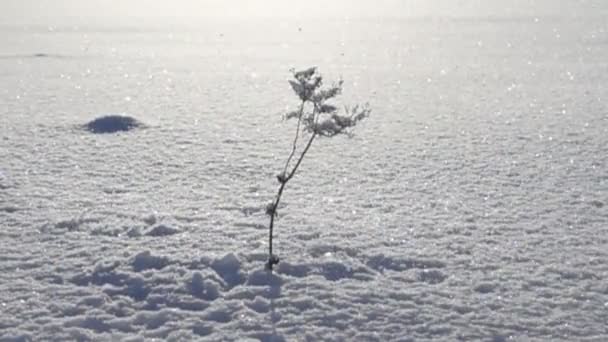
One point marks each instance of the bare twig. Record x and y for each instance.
(321, 121)
(295, 140)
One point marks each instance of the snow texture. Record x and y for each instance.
(471, 206)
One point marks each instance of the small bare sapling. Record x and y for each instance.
(316, 117)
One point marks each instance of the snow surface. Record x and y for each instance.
(472, 205)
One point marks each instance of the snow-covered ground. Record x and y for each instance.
(471, 205)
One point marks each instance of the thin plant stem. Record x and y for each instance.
(293, 172)
(295, 140)
(272, 260)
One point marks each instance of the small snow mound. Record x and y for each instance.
(149, 219)
(229, 268)
(154, 319)
(259, 304)
(162, 230)
(145, 260)
(500, 338)
(71, 225)
(334, 270)
(204, 289)
(597, 204)
(264, 278)
(431, 276)
(112, 124)
(134, 232)
(137, 288)
(485, 288)
(269, 337)
(202, 329)
(16, 337)
(94, 323)
(380, 262)
(227, 264)
(219, 315)
(293, 270)
(95, 301)
(9, 209)
(3, 180)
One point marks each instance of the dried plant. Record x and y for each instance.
(315, 116)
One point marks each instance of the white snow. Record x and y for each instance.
(469, 208)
